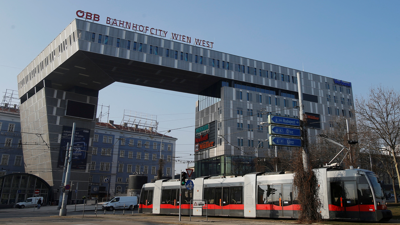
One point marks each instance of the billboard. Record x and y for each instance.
(80, 148)
(205, 137)
(313, 120)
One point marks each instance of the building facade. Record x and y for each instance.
(10, 141)
(118, 151)
(236, 93)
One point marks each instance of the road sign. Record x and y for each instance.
(284, 141)
(67, 187)
(189, 185)
(198, 204)
(37, 191)
(76, 191)
(284, 131)
(189, 172)
(283, 120)
(106, 180)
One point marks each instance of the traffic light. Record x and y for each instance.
(183, 177)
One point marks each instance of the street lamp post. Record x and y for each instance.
(160, 169)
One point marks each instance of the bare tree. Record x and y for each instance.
(324, 151)
(380, 113)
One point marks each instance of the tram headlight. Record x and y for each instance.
(379, 203)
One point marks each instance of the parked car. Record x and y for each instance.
(30, 202)
(121, 202)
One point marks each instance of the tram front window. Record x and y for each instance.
(375, 185)
(364, 191)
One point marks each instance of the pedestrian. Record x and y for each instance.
(39, 203)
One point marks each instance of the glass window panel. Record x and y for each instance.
(236, 195)
(287, 194)
(209, 195)
(350, 193)
(364, 192)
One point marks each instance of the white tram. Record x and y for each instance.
(351, 194)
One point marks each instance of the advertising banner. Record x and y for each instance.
(80, 148)
(205, 136)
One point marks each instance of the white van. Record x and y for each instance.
(119, 202)
(30, 202)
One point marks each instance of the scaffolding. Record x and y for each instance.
(140, 122)
(10, 100)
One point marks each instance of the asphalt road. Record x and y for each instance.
(50, 215)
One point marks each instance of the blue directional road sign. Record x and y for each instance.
(189, 185)
(293, 142)
(283, 120)
(284, 131)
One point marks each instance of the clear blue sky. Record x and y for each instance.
(356, 41)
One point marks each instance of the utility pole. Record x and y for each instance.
(348, 141)
(63, 210)
(302, 125)
(63, 176)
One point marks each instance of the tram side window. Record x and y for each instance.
(364, 192)
(336, 193)
(295, 196)
(143, 197)
(287, 195)
(186, 196)
(266, 193)
(209, 195)
(225, 196)
(166, 197)
(218, 196)
(275, 194)
(350, 193)
(236, 195)
(146, 195)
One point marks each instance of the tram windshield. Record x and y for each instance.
(375, 185)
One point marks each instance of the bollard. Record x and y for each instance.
(83, 213)
(114, 211)
(132, 209)
(123, 212)
(104, 212)
(95, 209)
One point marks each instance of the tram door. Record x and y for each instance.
(287, 200)
(275, 192)
(344, 199)
(218, 201)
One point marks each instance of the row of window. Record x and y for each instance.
(122, 154)
(341, 89)
(5, 158)
(9, 143)
(10, 128)
(184, 56)
(337, 112)
(250, 143)
(335, 100)
(109, 139)
(268, 99)
(48, 59)
(105, 166)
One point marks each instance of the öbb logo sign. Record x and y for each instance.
(88, 15)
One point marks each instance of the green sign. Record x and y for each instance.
(202, 129)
